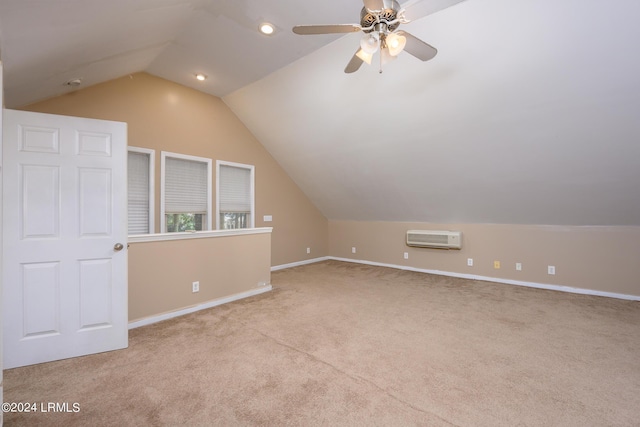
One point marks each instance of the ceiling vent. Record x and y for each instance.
(434, 239)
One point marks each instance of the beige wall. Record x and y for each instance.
(161, 273)
(166, 116)
(596, 258)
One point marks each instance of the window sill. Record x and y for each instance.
(163, 237)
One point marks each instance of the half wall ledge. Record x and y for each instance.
(176, 273)
(161, 237)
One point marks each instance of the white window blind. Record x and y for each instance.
(138, 190)
(186, 186)
(235, 189)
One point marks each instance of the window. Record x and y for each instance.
(140, 177)
(235, 190)
(185, 192)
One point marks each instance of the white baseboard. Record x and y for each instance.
(497, 280)
(193, 309)
(299, 263)
(219, 301)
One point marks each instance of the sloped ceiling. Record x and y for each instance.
(47, 43)
(527, 115)
(530, 114)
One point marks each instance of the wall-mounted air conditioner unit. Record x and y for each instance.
(434, 239)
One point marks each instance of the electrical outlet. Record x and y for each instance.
(551, 270)
(518, 266)
(195, 287)
(406, 255)
(496, 264)
(353, 250)
(470, 262)
(308, 250)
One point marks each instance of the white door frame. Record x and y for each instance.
(1, 237)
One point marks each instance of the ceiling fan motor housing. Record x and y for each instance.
(369, 18)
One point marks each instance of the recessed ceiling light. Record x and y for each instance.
(201, 77)
(267, 28)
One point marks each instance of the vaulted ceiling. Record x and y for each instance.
(529, 114)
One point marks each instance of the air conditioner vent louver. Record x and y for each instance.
(434, 239)
(439, 239)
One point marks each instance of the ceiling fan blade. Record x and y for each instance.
(417, 47)
(421, 8)
(326, 29)
(354, 64)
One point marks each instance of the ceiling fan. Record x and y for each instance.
(379, 21)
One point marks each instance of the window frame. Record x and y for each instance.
(152, 177)
(163, 168)
(252, 170)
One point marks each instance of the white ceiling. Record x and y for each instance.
(529, 113)
(46, 43)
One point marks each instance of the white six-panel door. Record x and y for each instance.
(64, 237)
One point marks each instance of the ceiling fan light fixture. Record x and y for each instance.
(370, 43)
(386, 57)
(395, 43)
(364, 56)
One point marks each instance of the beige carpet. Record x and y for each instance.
(347, 344)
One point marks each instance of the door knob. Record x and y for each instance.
(118, 247)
